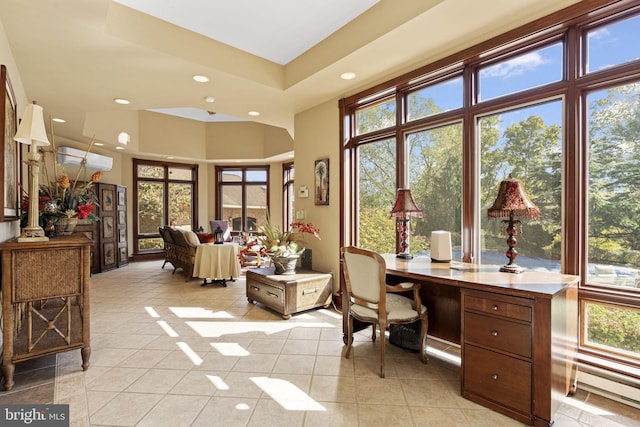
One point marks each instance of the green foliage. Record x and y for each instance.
(613, 327)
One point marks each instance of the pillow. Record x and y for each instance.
(206, 237)
(190, 237)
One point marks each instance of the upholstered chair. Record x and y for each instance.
(371, 300)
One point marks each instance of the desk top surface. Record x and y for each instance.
(476, 276)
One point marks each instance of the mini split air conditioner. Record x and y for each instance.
(72, 157)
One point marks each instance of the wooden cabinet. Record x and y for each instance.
(288, 294)
(45, 300)
(507, 348)
(110, 249)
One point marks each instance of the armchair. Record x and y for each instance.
(371, 300)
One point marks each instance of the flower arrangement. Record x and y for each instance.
(280, 243)
(61, 198)
(73, 201)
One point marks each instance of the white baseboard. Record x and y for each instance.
(619, 389)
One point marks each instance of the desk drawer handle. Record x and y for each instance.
(309, 291)
(494, 307)
(494, 377)
(255, 288)
(494, 333)
(272, 294)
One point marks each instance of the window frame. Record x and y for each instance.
(243, 183)
(570, 26)
(165, 203)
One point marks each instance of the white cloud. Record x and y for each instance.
(515, 67)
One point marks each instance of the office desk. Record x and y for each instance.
(518, 332)
(217, 262)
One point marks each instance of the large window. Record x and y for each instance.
(243, 193)
(164, 195)
(563, 118)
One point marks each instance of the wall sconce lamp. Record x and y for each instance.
(512, 202)
(32, 132)
(403, 210)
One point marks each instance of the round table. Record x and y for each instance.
(218, 262)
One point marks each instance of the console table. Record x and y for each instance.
(288, 294)
(45, 300)
(518, 332)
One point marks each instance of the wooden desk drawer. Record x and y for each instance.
(498, 333)
(502, 379)
(511, 307)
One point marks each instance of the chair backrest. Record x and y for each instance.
(364, 275)
(164, 233)
(224, 226)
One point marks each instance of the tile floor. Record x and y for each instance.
(166, 352)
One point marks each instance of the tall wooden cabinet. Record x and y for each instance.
(110, 248)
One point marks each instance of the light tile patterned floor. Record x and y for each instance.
(166, 352)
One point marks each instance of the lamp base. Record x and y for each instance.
(404, 255)
(513, 268)
(32, 234)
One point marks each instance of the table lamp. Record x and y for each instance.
(512, 202)
(403, 210)
(32, 132)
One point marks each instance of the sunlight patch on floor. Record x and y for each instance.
(199, 313)
(168, 329)
(287, 395)
(218, 329)
(230, 349)
(188, 351)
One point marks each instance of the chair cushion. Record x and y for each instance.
(399, 308)
(189, 236)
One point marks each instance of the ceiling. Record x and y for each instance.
(276, 58)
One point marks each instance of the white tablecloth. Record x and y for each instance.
(217, 261)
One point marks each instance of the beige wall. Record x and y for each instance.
(317, 137)
(10, 229)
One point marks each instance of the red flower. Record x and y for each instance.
(85, 210)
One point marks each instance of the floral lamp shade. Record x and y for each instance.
(513, 201)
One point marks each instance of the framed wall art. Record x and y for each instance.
(10, 161)
(321, 181)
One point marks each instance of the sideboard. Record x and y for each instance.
(45, 300)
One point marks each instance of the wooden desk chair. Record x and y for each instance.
(371, 300)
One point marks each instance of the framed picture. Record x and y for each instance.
(107, 227)
(10, 162)
(107, 200)
(321, 181)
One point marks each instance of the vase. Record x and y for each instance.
(66, 225)
(285, 264)
(49, 207)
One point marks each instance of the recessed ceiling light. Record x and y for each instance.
(119, 147)
(200, 79)
(348, 76)
(123, 138)
(209, 99)
(98, 144)
(59, 120)
(254, 113)
(121, 101)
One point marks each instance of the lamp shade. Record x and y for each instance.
(513, 201)
(405, 205)
(31, 129)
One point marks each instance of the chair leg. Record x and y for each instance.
(383, 328)
(349, 336)
(423, 339)
(373, 334)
